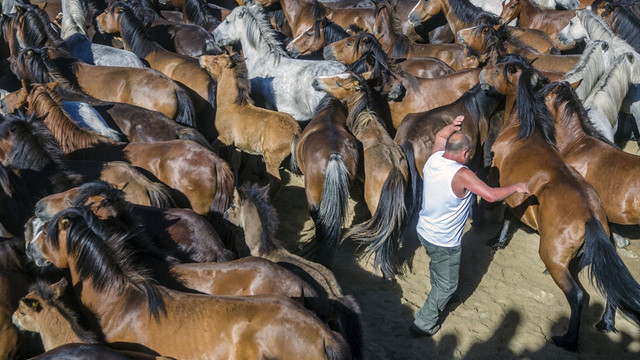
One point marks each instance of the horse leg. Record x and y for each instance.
(506, 233)
(620, 241)
(608, 322)
(273, 173)
(574, 294)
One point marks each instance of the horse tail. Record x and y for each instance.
(224, 187)
(186, 112)
(613, 278)
(160, 195)
(332, 210)
(212, 89)
(293, 162)
(187, 133)
(414, 190)
(347, 315)
(381, 232)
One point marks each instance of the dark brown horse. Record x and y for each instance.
(173, 323)
(562, 206)
(460, 14)
(514, 36)
(327, 155)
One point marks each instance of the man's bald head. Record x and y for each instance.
(458, 143)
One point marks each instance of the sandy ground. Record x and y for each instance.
(509, 309)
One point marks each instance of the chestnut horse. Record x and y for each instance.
(240, 123)
(252, 211)
(516, 37)
(321, 33)
(327, 154)
(550, 21)
(460, 14)
(176, 324)
(564, 209)
(143, 87)
(386, 174)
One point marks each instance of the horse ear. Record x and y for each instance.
(265, 190)
(329, 16)
(64, 223)
(630, 57)
(59, 288)
(53, 85)
(20, 9)
(576, 84)
(42, 5)
(379, 36)
(24, 84)
(368, 75)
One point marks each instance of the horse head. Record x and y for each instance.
(15, 100)
(228, 32)
(574, 31)
(423, 11)
(109, 21)
(510, 10)
(34, 308)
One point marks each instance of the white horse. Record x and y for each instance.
(587, 25)
(594, 61)
(605, 100)
(72, 32)
(283, 81)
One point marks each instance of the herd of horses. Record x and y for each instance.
(128, 126)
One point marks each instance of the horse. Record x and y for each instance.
(623, 22)
(74, 35)
(131, 123)
(515, 37)
(242, 124)
(460, 14)
(525, 151)
(595, 59)
(417, 131)
(348, 50)
(144, 87)
(113, 288)
(120, 18)
(386, 174)
(203, 14)
(29, 27)
(321, 33)
(327, 154)
(285, 82)
(490, 44)
(550, 21)
(259, 221)
(606, 98)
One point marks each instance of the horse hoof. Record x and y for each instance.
(606, 327)
(560, 341)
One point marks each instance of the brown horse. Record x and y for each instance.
(327, 154)
(176, 324)
(259, 221)
(349, 50)
(460, 14)
(120, 19)
(143, 87)
(562, 206)
(491, 44)
(179, 232)
(515, 37)
(386, 174)
(550, 21)
(242, 124)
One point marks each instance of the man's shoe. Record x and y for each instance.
(417, 332)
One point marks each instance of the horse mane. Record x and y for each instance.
(257, 24)
(70, 136)
(331, 31)
(597, 28)
(106, 257)
(36, 66)
(196, 13)
(268, 217)
(73, 18)
(44, 290)
(364, 119)
(327, 102)
(35, 149)
(607, 94)
(373, 50)
(476, 100)
(243, 83)
(36, 27)
(146, 11)
(318, 10)
(363, 100)
(133, 31)
(470, 13)
(567, 100)
(532, 111)
(401, 42)
(624, 23)
(589, 67)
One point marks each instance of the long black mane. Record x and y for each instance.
(36, 28)
(567, 97)
(103, 255)
(532, 111)
(133, 31)
(331, 31)
(15, 208)
(327, 102)
(624, 23)
(267, 214)
(401, 42)
(196, 12)
(472, 14)
(479, 102)
(37, 66)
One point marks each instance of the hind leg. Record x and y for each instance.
(273, 172)
(608, 322)
(620, 241)
(574, 294)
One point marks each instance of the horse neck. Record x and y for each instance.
(257, 56)
(227, 89)
(510, 110)
(57, 330)
(568, 131)
(610, 91)
(72, 18)
(528, 11)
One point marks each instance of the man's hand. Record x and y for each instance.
(522, 188)
(457, 123)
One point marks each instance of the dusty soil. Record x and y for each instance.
(509, 309)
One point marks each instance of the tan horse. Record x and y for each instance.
(562, 206)
(252, 211)
(242, 124)
(180, 325)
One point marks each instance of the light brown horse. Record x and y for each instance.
(564, 209)
(386, 173)
(172, 323)
(259, 221)
(327, 154)
(240, 123)
(550, 21)
(460, 14)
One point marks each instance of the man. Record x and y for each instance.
(447, 196)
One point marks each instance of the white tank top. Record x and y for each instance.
(443, 214)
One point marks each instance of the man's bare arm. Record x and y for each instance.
(441, 136)
(467, 179)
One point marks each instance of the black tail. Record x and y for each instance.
(347, 313)
(413, 196)
(381, 233)
(187, 133)
(186, 114)
(160, 195)
(212, 90)
(293, 164)
(612, 277)
(333, 207)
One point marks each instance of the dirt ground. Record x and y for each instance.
(509, 309)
